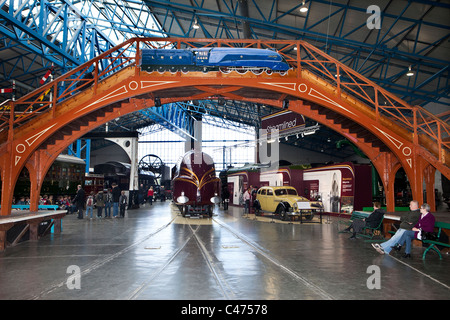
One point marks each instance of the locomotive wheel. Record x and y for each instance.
(241, 71)
(152, 163)
(257, 71)
(184, 70)
(225, 70)
(173, 69)
(162, 69)
(269, 71)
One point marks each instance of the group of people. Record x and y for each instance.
(109, 199)
(63, 202)
(412, 224)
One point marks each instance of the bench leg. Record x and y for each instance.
(34, 236)
(432, 246)
(57, 226)
(3, 230)
(2, 240)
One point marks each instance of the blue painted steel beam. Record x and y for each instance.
(65, 34)
(227, 21)
(179, 117)
(80, 145)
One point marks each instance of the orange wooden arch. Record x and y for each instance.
(34, 138)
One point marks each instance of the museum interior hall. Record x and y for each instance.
(197, 151)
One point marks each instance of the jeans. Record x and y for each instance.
(89, 208)
(407, 238)
(393, 241)
(247, 206)
(107, 209)
(115, 209)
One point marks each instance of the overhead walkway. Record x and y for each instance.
(40, 125)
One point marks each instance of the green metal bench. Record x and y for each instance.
(373, 231)
(433, 244)
(355, 215)
(363, 215)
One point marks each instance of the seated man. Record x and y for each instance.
(371, 221)
(408, 221)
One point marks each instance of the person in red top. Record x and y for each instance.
(150, 195)
(425, 224)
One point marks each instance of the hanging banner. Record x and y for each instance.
(283, 122)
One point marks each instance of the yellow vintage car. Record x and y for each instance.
(285, 202)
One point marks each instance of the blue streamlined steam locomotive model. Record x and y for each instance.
(224, 59)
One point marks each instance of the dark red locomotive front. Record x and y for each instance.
(195, 187)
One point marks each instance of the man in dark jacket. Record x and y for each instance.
(79, 201)
(115, 199)
(372, 221)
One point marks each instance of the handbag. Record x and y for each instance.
(429, 235)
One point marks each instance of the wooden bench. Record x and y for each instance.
(30, 221)
(40, 207)
(433, 244)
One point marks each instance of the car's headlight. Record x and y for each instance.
(295, 206)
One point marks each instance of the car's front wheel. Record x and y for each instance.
(282, 213)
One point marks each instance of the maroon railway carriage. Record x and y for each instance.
(195, 187)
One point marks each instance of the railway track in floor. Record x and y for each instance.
(226, 289)
(220, 278)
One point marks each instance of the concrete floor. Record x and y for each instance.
(153, 253)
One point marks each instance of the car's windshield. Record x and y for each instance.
(283, 192)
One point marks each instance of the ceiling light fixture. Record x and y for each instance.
(303, 8)
(410, 73)
(196, 25)
(307, 133)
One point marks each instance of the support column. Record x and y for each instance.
(34, 168)
(134, 171)
(429, 177)
(196, 142)
(9, 178)
(416, 177)
(130, 146)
